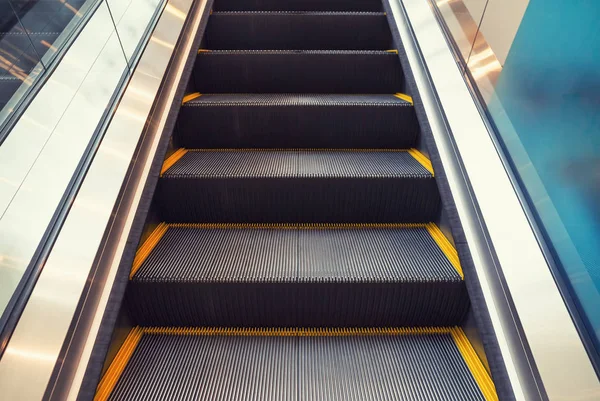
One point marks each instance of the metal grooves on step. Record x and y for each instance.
(297, 99)
(298, 186)
(299, 364)
(298, 71)
(378, 163)
(294, 30)
(297, 275)
(290, 120)
(298, 5)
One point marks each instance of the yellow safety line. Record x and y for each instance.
(421, 158)
(393, 51)
(203, 51)
(446, 247)
(171, 160)
(190, 96)
(144, 251)
(325, 226)
(480, 374)
(404, 97)
(291, 332)
(119, 363)
(116, 368)
(297, 150)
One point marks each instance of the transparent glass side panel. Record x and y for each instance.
(19, 59)
(32, 32)
(462, 19)
(132, 19)
(536, 66)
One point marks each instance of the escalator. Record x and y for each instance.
(299, 254)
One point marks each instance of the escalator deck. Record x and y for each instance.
(298, 257)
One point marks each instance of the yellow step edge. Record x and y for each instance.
(144, 251)
(119, 363)
(171, 160)
(421, 158)
(446, 247)
(297, 150)
(480, 374)
(293, 332)
(295, 226)
(116, 368)
(404, 97)
(190, 97)
(204, 51)
(392, 51)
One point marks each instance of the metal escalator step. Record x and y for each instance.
(298, 71)
(298, 30)
(298, 186)
(297, 276)
(297, 121)
(298, 5)
(349, 365)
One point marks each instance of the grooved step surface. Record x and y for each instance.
(298, 71)
(249, 254)
(297, 277)
(298, 5)
(298, 187)
(297, 121)
(406, 367)
(298, 30)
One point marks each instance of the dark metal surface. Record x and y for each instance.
(298, 187)
(407, 367)
(298, 71)
(295, 30)
(297, 121)
(297, 277)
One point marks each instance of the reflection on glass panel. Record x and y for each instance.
(18, 57)
(462, 20)
(31, 33)
(132, 18)
(536, 66)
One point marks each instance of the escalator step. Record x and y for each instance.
(297, 121)
(298, 186)
(298, 30)
(298, 276)
(298, 71)
(348, 365)
(298, 5)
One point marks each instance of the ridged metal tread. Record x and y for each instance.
(297, 121)
(298, 71)
(298, 5)
(233, 253)
(298, 30)
(388, 367)
(297, 276)
(296, 100)
(297, 163)
(271, 186)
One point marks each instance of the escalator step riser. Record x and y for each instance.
(334, 304)
(349, 368)
(298, 187)
(298, 31)
(306, 276)
(299, 200)
(298, 5)
(298, 72)
(288, 121)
